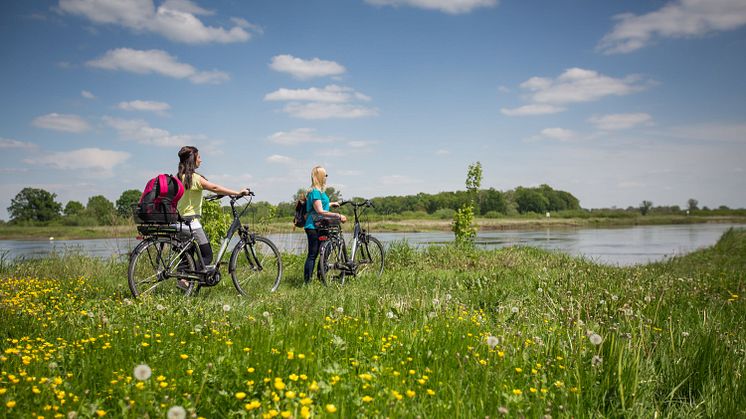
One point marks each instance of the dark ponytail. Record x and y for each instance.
(187, 164)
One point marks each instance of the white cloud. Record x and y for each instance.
(305, 69)
(447, 6)
(319, 110)
(530, 110)
(579, 85)
(88, 95)
(279, 159)
(331, 93)
(155, 61)
(298, 136)
(442, 152)
(560, 134)
(96, 159)
(7, 143)
(677, 19)
(144, 105)
(176, 20)
(141, 132)
(620, 121)
(62, 122)
(574, 85)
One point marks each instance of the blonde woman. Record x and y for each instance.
(317, 204)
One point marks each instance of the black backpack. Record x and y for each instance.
(299, 219)
(158, 201)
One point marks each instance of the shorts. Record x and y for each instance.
(197, 231)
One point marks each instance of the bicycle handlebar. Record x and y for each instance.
(366, 203)
(220, 196)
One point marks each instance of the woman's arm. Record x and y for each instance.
(320, 210)
(213, 187)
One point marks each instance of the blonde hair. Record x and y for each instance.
(318, 178)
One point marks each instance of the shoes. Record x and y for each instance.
(182, 284)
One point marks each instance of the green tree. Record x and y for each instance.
(463, 220)
(32, 204)
(333, 194)
(101, 209)
(474, 181)
(125, 202)
(692, 204)
(215, 222)
(73, 208)
(530, 200)
(645, 207)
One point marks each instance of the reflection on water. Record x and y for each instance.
(618, 246)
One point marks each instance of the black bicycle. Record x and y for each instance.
(168, 260)
(366, 256)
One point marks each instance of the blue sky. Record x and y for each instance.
(616, 102)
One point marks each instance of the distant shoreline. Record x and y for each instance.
(409, 226)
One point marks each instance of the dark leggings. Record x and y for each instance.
(313, 253)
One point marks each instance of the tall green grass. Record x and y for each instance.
(445, 332)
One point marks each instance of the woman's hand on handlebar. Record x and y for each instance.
(342, 218)
(245, 192)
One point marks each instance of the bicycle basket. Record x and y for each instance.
(154, 214)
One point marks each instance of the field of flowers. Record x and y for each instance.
(446, 332)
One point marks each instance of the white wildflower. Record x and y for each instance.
(514, 310)
(226, 308)
(266, 314)
(492, 341)
(390, 314)
(176, 412)
(142, 372)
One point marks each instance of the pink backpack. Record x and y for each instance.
(159, 200)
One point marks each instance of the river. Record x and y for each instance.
(617, 246)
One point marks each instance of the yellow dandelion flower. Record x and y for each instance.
(559, 384)
(412, 372)
(10, 404)
(367, 399)
(306, 401)
(291, 355)
(410, 393)
(293, 377)
(140, 385)
(250, 370)
(519, 370)
(286, 414)
(301, 356)
(189, 372)
(163, 384)
(430, 392)
(101, 413)
(184, 356)
(240, 395)
(305, 412)
(532, 389)
(517, 392)
(330, 408)
(396, 395)
(290, 394)
(279, 385)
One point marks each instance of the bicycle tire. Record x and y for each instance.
(332, 263)
(254, 266)
(154, 266)
(370, 257)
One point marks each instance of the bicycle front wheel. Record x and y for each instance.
(255, 267)
(154, 267)
(369, 257)
(332, 267)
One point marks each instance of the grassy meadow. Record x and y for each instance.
(445, 332)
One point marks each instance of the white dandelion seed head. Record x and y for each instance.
(72, 415)
(142, 372)
(595, 339)
(436, 302)
(602, 302)
(198, 328)
(390, 314)
(176, 412)
(502, 410)
(684, 334)
(492, 341)
(648, 298)
(266, 314)
(340, 309)
(432, 314)
(160, 307)
(52, 365)
(448, 297)
(514, 310)
(90, 314)
(127, 302)
(596, 360)
(226, 308)
(614, 297)
(539, 290)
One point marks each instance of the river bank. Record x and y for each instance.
(9, 232)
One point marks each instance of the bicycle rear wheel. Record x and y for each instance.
(369, 257)
(255, 267)
(154, 267)
(332, 266)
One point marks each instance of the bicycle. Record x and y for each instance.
(164, 262)
(367, 255)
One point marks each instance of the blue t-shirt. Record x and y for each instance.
(315, 195)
